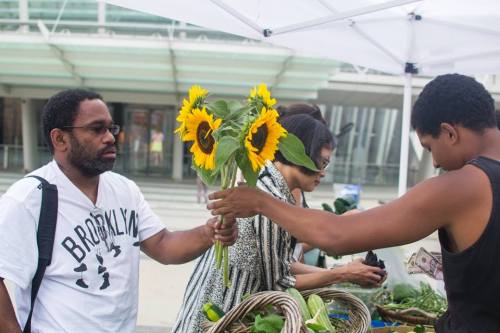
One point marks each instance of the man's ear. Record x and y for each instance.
(59, 139)
(450, 132)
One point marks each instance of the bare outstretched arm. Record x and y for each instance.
(182, 246)
(435, 203)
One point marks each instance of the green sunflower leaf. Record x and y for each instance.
(225, 131)
(225, 149)
(293, 150)
(207, 176)
(236, 114)
(234, 105)
(246, 169)
(219, 108)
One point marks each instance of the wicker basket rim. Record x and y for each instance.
(360, 318)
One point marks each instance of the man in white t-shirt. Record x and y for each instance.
(103, 222)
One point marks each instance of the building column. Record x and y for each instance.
(177, 158)
(31, 156)
(101, 16)
(24, 15)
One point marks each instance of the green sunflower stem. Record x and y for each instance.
(218, 254)
(227, 283)
(228, 179)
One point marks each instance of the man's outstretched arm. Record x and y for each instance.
(182, 246)
(432, 204)
(8, 321)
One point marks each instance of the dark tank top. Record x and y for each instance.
(472, 277)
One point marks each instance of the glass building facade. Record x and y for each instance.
(368, 154)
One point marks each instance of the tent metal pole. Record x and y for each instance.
(231, 11)
(405, 135)
(360, 32)
(339, 16)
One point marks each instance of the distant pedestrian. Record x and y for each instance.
(201, 190)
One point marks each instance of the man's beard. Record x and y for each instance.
(89, 163)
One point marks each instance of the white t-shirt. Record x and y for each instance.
(92, 283)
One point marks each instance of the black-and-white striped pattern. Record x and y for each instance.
(260, 260)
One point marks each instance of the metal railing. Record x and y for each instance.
(358, 173)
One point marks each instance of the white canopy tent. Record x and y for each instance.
(404, 37)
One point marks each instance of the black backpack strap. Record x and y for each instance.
(45, 239)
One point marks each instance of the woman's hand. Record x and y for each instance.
(364, 275)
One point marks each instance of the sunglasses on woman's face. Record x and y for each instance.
(323, 163)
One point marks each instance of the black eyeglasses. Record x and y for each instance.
(99, 129)
(324, 164)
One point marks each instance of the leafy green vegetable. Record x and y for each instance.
(327, 207)
(403, 291)
(426, 299)
(419, 329)
(271, 323)
(344, 204)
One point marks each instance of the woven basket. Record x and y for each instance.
(358, 322)
(359, 317)
(231, 322)
(408, 316)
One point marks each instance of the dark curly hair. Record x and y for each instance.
(313, 133)
(62, 109)
(454, 99)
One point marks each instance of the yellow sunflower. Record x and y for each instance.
(263, 137)
(263, 94)
(199, 128)
(197, 97)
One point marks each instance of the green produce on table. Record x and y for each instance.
(344, 204)
(271, 323)
(212, 312)
(425, 299)
(416, 329)
(401, 291)
(304, 310)
(327, 207)
(320, 314)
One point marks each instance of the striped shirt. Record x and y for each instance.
(259, 260)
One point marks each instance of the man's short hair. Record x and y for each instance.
(454, 99)
(61, 110)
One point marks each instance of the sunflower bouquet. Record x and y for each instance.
(230, 135)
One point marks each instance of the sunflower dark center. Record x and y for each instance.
(204, 137)
(260, 137)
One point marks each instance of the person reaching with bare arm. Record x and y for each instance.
(454, 118)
